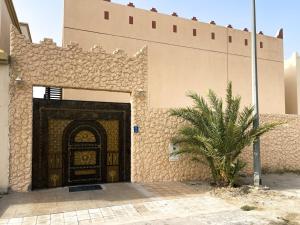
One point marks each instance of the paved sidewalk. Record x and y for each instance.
(119, 202)
(53, 201)
(130, 213)
(172, 203)
(186, 210)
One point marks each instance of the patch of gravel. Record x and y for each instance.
(287, 207)
(200, 186)
(281, 201)
(248, 193)
(251, 194)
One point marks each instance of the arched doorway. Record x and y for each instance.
(84, 153)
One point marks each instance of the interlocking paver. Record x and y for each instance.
(107, 212)
(70, 219)
(69, 214)
(83, 217)
(3, 221)
(82, 212)
(15, 220)
(94, 210)
(43, 217)
(29, 220)
(71, 223)
(43, 222)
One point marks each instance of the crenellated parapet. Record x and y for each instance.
(128, 25)
(280, 33)
(175, 14)
(26, 55)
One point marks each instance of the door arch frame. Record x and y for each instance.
(101, 138)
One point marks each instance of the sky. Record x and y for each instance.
(45, 17)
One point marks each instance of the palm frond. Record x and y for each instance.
(218, 135)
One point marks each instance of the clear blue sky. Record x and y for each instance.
(45, 16)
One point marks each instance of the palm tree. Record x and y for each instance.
(217, 136)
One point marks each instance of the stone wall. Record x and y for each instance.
(46, 64)
(280, 148)
(151, 151)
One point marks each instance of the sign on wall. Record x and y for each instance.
(173, 148)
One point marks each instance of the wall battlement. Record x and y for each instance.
(279, 34)
(115, 21)
(75, 46)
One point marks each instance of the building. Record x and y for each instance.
(8, 17)
(292, 84)
(105, 114)
(183, 54)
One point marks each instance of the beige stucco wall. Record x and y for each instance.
(97, 96)
(292, 84)
(25, 30)
(5, 23)
(4, 144)
(179, 61)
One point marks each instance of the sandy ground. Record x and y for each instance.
(281, 198)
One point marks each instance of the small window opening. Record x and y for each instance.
(130, 19)
(213, 36)
(53, 93)
(174, 28)
(261, 44)
(194, 32)
(106, 15)
(153, 24)
(246, 42)
(230, 39)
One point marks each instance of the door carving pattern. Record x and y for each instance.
(84, 152)
(55, 159)
(55, 168)
(113, 151)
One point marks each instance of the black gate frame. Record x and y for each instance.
(43, 110)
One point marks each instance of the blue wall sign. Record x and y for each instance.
(136, 129)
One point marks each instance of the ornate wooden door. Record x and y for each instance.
(85, 153)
